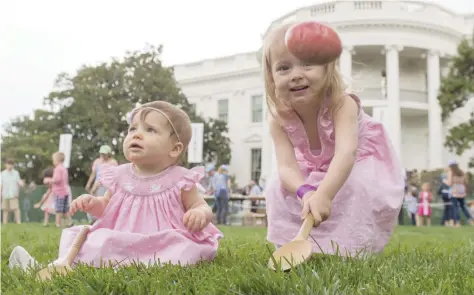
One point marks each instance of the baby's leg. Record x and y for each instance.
(22, 259)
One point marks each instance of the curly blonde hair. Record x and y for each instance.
(333, 84)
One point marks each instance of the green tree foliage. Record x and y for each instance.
(455, 91)
(93, 105)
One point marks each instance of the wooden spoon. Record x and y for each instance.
(295, 252)
(63, 268)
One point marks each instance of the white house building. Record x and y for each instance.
(394, 55)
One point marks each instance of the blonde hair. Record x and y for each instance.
(59, 156)
(179, 121)
(333, 84)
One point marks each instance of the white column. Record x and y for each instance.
(393, 96)
(435, 144)
(345, 65)
(380, 114)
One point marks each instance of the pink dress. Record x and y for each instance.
(424, 207)
(144, 221)
(48, 204)
(365, 209)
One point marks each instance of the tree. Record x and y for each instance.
(455, 91)
(93, 105)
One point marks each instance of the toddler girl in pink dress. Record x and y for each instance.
(152, 211)
(334, 161)
(424, 206)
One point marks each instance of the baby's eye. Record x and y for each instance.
(131, 129)
(149, 129)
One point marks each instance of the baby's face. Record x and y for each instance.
(150, 140)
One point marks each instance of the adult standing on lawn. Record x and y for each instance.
(10, 190)
(97, 189)
(458, 183)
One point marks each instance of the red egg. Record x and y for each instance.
(313, 42)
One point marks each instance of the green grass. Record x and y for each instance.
(418, 261)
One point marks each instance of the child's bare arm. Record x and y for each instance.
(192, 200)
(102, 203)
(346, 130)
(288, 170)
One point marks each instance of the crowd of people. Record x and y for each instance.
(452, 191)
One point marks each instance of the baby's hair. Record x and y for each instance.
(333, 84)
(179, 121)
(60, 156)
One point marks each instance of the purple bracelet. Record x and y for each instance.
(302, 190)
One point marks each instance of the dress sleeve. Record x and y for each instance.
(190, 178)
(108, 177)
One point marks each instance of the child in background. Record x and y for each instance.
(27, 199)
(424, 206)
(60, 189)
(152, 212)
(334, 161)
(411, 203)
(46, 204)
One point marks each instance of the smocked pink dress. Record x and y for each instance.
(143, 221)
(365, 209)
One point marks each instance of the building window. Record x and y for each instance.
(383, 83)
(257, 108)
(223, 109)
(256, 164)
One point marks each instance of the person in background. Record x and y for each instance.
(458, 184)
(93, 186)
(10, 190)
(411, 203)
(27, 199)
(401, 214)
(46, 204)
(222, 194)
(424, 206)
(253, 189)
(210, 180)
(443, 192)
(60, 189)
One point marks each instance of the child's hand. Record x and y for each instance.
(37, 205)
(318, 205)
(195, 219)
(84, 203)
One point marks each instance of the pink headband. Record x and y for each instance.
(132, 113)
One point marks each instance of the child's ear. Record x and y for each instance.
(177, 150)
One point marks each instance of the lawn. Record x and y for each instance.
(418, 261)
